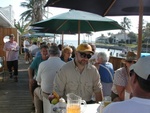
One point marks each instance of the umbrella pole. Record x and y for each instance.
(140, 28)
(78, 32)
(54, 38)
(62, 39)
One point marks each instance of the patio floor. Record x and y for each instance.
(15, 97)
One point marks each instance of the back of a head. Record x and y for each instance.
(35, 43)
(103, 55)
(43, 46)
(54, 50)
(141, 69)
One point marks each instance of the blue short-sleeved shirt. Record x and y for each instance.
(105, 74)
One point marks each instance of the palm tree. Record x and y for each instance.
(126, 24)
(22, 28)
(35, 10)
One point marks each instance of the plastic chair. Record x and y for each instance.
(2, 67)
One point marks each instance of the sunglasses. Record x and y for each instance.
(84, 55)
(131, 62)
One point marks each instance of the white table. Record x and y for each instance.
(88, 108)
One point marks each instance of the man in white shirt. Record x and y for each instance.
(140, 86)
(26, 45)
(46, 74)
(33, 49)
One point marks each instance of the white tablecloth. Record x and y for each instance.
(88, 108)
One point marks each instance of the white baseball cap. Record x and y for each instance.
(142, 67)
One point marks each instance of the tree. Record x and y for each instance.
(133, 37)
(88, 35)
(35, 10)
(22, 28)
(146, 30)
(126, 24)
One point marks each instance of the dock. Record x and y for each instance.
(15, 96)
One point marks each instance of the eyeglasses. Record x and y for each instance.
(84, 55)
(131, 62)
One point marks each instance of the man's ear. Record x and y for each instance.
(134, 79)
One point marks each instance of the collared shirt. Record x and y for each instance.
(47, 71)
(133, 105)
(35, 64)
(11, 55)
(70, 80)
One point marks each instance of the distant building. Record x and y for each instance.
(102, 39)
(120, 37)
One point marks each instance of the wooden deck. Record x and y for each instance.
(15, 97)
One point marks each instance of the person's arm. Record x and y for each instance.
(30, 75)
(5, 48)
(121, 91)
(99, 96)
(60, 83)
(97, 87)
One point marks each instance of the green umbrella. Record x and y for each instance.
(39, 35)
(77, 21)
(42, 35)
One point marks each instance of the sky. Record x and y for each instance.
(18, 10)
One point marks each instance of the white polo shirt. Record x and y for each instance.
(47, 71)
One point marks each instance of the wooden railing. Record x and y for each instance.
(116, 62)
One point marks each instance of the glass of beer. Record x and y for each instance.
(107, 100)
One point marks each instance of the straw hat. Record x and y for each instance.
(131, 56)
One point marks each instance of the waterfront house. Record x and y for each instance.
(102, 39)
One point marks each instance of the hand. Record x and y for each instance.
(8, 49)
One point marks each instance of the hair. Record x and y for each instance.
(11, 35)
(43, 46)
(144, 84)
(67, 48)
(92, 46)
(73, 51)
(104, 56)
(54, 50)
(35, 43)
(60, 47)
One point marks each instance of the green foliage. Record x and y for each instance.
(35, 10)
(126, 23)
(132, 35)
(22, 28)
(146, 30)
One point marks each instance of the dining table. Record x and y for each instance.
(87, 108)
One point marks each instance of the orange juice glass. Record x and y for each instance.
(74, 108)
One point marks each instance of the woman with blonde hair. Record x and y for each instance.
(66, 54)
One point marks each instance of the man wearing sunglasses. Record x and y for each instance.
(140, 88)
(79, 77)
